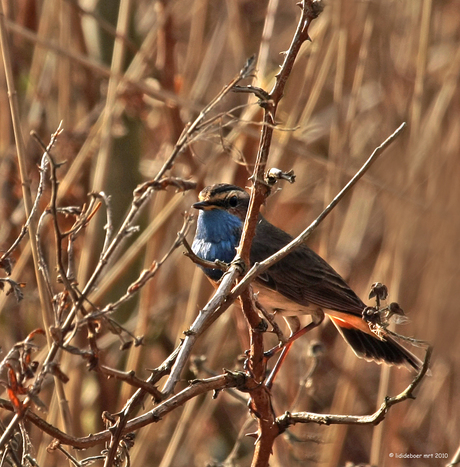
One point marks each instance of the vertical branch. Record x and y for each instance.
(310, 11)
(25, 180)
(45, 302)
(101, 169)
(260, 397)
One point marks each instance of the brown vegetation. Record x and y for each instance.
(124, 104)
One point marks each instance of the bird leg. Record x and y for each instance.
(317, 319)
(270, 318)
(296, 332)
(294, 325)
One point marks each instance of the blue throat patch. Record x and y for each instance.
(217, 236)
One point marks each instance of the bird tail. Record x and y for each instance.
(371, 348)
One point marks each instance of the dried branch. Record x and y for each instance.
(22, 162)
(135, 287)
(202, 262)
(260, 397)
(25, 228)
(141, 195)
(179, 184)
(259, 268)
(130, 378)
(54, 214)
(289, 419)
(214, 308)
(109, 225)
(196, 388)
(147, 274)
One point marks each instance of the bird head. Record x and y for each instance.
(230, 198)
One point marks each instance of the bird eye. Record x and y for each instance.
(233, 201)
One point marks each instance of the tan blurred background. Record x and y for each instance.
(371, 65)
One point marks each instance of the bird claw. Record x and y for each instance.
(269, 353)
(221, 264)
(240, 265)
(262, 326)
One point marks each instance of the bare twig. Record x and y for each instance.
(46, 308)
(109, 225)
(202, 262)
(197, 387)
(259, 268)
(194, 127)
(21, 152)
(33, 212)
(217, 383)
(203, 320)
(131, 379)
(54, 213)
(145, 275)
(306, 417)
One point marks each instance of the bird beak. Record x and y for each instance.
(202, 205)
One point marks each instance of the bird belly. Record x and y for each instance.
(274, 302)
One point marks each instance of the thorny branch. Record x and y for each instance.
(259, 268)
(60, 331)
(241, 382)
(4, 259)
(310, 10)
(251, 381)
(289, 419)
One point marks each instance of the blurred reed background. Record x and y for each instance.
(371, 66)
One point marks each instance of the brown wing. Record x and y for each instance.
(306, 279)
(302, 276)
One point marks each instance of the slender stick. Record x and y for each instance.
(25, 180)
(307, 417)
(100, 172)
(260, 402)
(46, 308)
(228, 379)
(259, 268)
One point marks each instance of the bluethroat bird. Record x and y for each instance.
(301, 283)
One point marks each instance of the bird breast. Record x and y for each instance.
(217, 236)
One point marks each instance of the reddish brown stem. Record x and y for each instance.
(260, 397)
